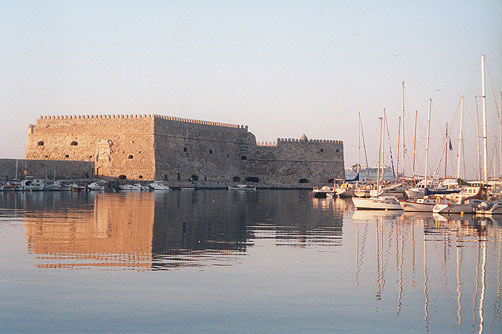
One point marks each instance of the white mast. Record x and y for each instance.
(358, 142)
(380, 119)
(500, 136)
(478, 137)
(460, 136)
(485, 126)
(427, 142)
(404, 142)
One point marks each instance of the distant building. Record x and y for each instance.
(148, 147)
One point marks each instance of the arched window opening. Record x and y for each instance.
(122, 177)
(252, 179)
(74, 143)
(185, 149)
(130, 156)
(165, 177)
(303, 181)
(141, 176)
(194, 178)
(67, 156)
(337, 150)
(321, 150)
(236, 179)
(210, 151)
(40, 143)
(244, 157)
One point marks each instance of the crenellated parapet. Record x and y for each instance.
(290, 140)
(156, 116)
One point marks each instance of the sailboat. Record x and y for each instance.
(376, 202)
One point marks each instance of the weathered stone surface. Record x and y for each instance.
(160, 147)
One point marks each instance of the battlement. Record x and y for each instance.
(130, 116)
(328, 141)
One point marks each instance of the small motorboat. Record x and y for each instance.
(246, 187)
(32, 185)
(96, 186)
(134, 187)
(56, 186)
(157, 185)
(322, 192)
(489, 208)
(77, 188)
(425, 204)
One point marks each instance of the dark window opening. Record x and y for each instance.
(303, 181)
(40, 143)
(210, 151)
(236, 179)
(331, 180)
(165, 177)
(74, 143)
(67, 156)
(322, 150)
(130, 156)
(252, 179)
(185, 149)
(337, 150)
(179, 176)
(141, 176)
(205, 178)
(122, 177)
(194, 178)
(90, 156)
(46, 156)
(228, 155)
(244, 157)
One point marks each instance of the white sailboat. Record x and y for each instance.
(377, 202)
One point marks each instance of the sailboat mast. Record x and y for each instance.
(358, 142)
(398, 146)
(478, 137)
(427, 140)
(485, 126)
(446, 152)
(414, 145)
(380, 119)
(500, 136)
(404, 141)
(459, 155)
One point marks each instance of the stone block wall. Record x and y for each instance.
(120, 145)
(147, 147)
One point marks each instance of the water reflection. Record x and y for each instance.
(152, 231)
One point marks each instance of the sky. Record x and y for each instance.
(284, 68)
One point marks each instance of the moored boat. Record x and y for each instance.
(157, 185)
(377, 203)
(242, 187)
(425, 204)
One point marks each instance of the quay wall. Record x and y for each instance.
(45, 169)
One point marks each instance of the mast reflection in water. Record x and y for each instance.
(264, 261)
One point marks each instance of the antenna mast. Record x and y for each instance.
(414, 145)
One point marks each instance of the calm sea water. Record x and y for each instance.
(250, 262)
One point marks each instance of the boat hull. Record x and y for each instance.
(412, 206)
(376, 203)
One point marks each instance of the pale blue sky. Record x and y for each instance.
(282, 67)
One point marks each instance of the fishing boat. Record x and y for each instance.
(56, 186)
(77, 188)
(157, 185)
(136, 187)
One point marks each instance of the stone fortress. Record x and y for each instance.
(176, 150)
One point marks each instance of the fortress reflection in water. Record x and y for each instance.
(152, 231)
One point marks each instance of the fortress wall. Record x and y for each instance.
(209, 152)
(118, 144)
(314, 161)
(45, 169)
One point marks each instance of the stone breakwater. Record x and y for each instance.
(179, 150)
